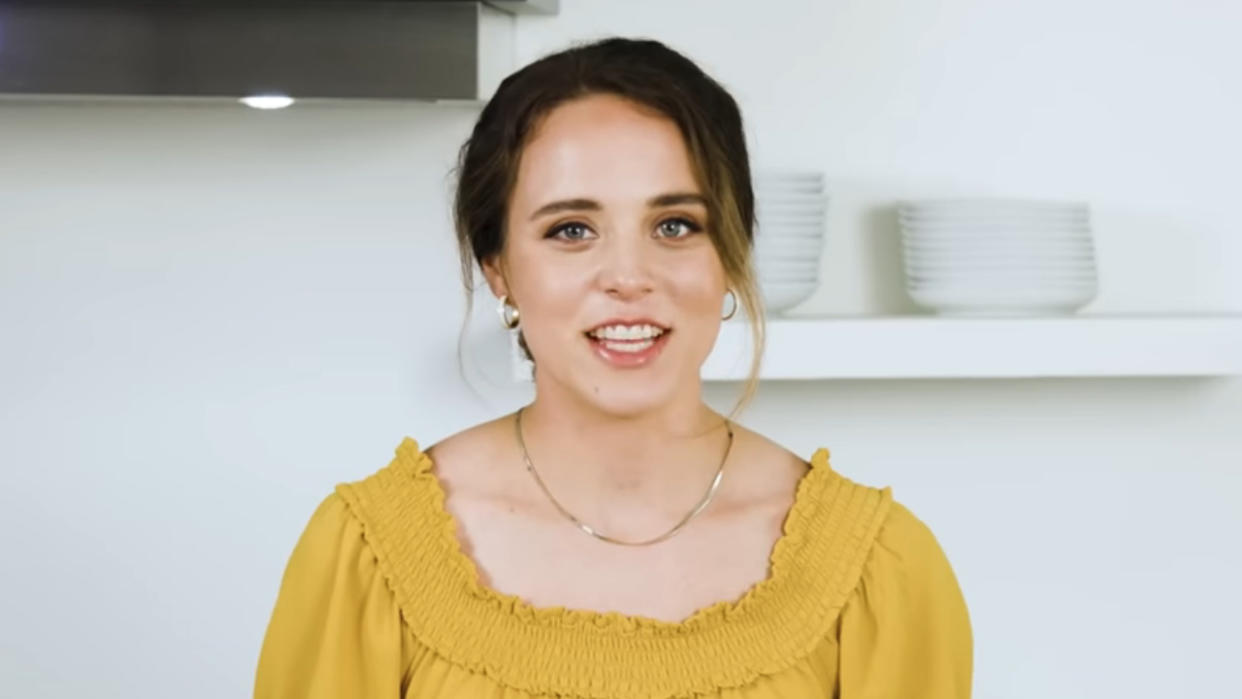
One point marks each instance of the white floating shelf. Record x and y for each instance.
(905, 347)
(928, 346)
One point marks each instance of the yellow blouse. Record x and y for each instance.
(378, 600)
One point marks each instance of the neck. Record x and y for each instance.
(602, 464)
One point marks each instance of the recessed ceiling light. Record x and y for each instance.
(267, 101)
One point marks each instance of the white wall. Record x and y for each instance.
(211, 315)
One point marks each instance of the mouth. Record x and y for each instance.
(625, 344)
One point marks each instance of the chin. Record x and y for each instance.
(627, 397)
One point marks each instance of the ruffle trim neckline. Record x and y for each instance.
(814, 566)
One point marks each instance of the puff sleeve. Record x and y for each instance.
(905, 631)
(335, 629)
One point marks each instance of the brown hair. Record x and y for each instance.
(646, 72)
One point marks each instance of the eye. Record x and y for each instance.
(674, 225)
(573, 229)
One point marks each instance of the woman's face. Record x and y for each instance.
(608, 259)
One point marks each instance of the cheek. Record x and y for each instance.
(552, 295)
(699, 286)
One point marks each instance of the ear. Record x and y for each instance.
(495, 276)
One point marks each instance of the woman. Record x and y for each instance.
(616, 537)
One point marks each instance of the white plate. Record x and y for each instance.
(1008, 203)
(984, 225)
(996, 243)
(983, 215)
(912, 217)
(954, 275)
(1016, 252)
(989, 227)
(951, 252)
(983, 291)
(909, 218)
(977, 252)
(1012, 270)
(956, 231)
(998, 266)
(1006, 280)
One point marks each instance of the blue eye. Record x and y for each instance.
(690, 226)
(571, 226)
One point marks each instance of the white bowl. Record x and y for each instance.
(788, 196)
(783, 268)
(790, 213)
(785, 178)
(790, 237)
(790, 240)
(978, 300)
(786, 274)
(797, 223)
(780, 257)
(766, 257)
(779, 296)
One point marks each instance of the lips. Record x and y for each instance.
(629, 353)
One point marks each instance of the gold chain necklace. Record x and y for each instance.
(707, 497)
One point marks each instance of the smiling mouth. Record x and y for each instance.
(627, 339)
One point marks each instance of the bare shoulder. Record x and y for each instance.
(762, 470)
(473, 460)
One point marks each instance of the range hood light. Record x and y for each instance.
(267, 101)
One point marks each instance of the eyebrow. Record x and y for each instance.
(670, 199)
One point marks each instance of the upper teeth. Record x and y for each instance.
(627, 332)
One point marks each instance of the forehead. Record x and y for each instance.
(606, 148)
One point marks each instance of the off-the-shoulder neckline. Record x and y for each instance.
(813, 568)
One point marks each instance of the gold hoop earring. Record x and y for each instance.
(731, 310)
(509, 321)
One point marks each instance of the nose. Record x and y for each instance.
(625, 269)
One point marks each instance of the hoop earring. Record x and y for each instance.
(731, 310)
(509, 321)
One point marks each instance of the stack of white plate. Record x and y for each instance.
(995, 256)
(789, 235)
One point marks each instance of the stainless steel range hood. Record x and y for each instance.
(359, 49)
